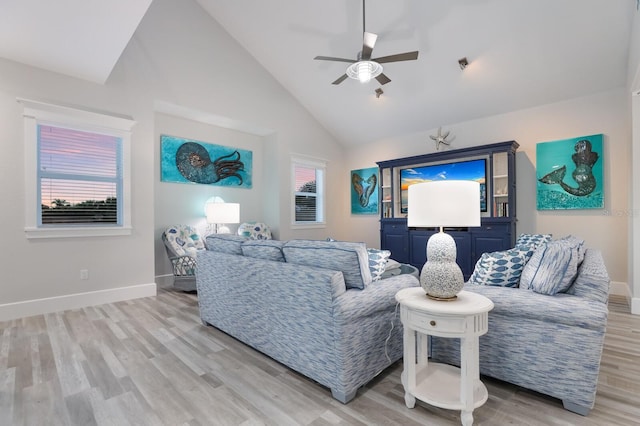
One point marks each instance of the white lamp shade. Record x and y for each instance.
(222, 212)
(444, 203)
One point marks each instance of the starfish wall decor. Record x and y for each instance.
(441, 138)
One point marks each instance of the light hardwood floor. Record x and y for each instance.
(151, 362)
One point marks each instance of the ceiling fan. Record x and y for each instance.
(364, 68)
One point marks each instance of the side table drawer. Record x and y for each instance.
(435, 325)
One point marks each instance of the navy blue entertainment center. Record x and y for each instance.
(498, 202)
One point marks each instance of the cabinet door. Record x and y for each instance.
(418, 247)
(486, 242)
(463, 245)
(395, 238)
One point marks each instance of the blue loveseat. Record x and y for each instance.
(550, 343)
(311, 305)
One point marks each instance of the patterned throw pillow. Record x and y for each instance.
(553, 266)
(377, 262)
(392, 264)
(533, 240)
(501, 268)
(184, 240)
(254, 231)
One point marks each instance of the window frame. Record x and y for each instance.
(41, 113)
(320, 167)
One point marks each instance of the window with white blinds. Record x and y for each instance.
(308, 192)
(80, 176)
(77, 172)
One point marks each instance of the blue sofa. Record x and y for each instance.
(548, 343)
(311, 305)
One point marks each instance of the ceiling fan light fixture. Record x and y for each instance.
(364, 71)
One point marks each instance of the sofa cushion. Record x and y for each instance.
(264, 249)
(350, 258)
(501, 268)
(553, 266)
(377, 262)
(532, 240)
(226, 243)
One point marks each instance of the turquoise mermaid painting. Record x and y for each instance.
(364, 191)
(190, 161)
(570, 173)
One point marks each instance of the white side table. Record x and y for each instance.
(437, 384)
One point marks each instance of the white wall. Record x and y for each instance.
(47, 269)
(179, 203)
(187, 60)
(633, 87)
(178, 55)
(605, 113)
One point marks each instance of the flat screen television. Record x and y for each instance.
(475, 170)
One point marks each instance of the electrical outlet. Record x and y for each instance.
(84, 274)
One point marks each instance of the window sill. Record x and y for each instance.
(76, 232)
(314, 225)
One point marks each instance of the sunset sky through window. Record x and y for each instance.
(76, 166)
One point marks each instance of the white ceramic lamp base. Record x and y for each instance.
(441, 277)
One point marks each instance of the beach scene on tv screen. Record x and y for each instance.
(474, 170)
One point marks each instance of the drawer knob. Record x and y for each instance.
(432, 323)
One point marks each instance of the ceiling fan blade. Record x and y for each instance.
(383, 79)
(331, 58)
(407, 56)
(368, 41)
(342, 78)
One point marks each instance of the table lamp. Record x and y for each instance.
(220, 213)
(443, 203)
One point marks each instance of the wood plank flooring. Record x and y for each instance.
(151, 362)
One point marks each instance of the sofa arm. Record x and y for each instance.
(526, 305)
(377, 296)
(593, 279)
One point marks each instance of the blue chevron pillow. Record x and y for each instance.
(501, 268)
(377, 262)
(533, 240)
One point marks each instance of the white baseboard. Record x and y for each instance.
(620, 289)
(635, 306)
(164, 281)
(29, 308)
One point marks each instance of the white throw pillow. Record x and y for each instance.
(553, 266)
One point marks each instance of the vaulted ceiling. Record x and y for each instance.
(521, 53)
